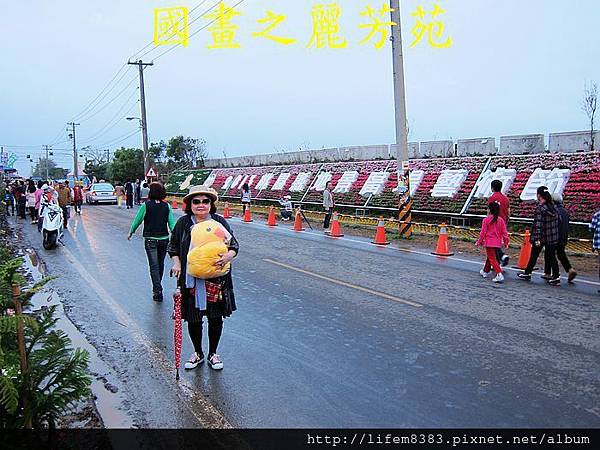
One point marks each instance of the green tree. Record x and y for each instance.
(127, 164)
(188, 150)
(54, 172)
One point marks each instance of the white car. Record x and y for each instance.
(101, 193)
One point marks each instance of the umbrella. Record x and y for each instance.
(177, 334)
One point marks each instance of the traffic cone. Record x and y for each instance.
(380, 238)
(298, 221)
(272, 221)
(443, 246)
(247, 216)
(226, 212)
(525, 251)
(336, 231)
(174, 204)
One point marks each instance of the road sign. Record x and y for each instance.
(151, 173)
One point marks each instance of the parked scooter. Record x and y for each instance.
(52, 223)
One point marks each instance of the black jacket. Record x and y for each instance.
(563, 224)
(180, 245)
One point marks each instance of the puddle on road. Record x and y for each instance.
(108, 401)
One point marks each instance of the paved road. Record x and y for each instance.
(338, 333)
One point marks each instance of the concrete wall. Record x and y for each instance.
(413, 151)
(518, 145)
(436, 148)
(366, 152)
(573, 141)
(477, 146)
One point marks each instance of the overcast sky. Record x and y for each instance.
(516, 66)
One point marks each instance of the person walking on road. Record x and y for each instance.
(200, 206)
(246, 197)
(30, 199)
(9, 200)
(286, 207)
(545, 235)
(492, 236)
(563, 230)
(502, 200)
(64, 201)
(158, 219)
(595, 228)
(20, 199)
(328, 204)
(137, 191)
(129, 194)
(77, 197)
(144, 191)
(119, 192)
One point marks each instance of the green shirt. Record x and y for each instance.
(139, 218)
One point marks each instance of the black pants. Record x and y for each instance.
(499, 255)
(156, 250)
(285, 214)
(561, 255)
(215, 328)
(77, 205)
(65, 215)
(328, 214)
(550, 261)
(129, 201)
(21, 208)
(533, 257)
(33, 213)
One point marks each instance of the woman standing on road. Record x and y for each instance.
(199, 207)
(246, 197)
(545, 234)
(158, 219)
(30, 198)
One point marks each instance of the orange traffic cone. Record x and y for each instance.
(247, 215)
(272, 221)
(298, 221)
(525, 251)
(226, 212)
(443, 246)
(380, 238)
(336, 231)
(174, 204)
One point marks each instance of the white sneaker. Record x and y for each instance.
(194, 361)
(215, 362)
(483, 273)
(499, 278)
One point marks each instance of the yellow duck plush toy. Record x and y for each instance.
(208, 244)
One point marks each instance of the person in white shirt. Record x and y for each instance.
(328, 204)
(286, 207)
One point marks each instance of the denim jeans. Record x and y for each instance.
(156, 250)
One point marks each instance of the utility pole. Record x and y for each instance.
(47, 156)
(405, 203)
(75, 168)
(144, 123)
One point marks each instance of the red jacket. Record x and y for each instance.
(493, 234)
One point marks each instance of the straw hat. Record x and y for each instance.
(201, 189)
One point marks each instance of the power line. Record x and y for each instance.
(118, 139)
(87, 108)
(135, 55)
(110, 102)
(103, 130)
(201, 28)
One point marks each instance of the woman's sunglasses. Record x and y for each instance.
(204, 201)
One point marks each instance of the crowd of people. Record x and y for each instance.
(550, 232)
(24, 197)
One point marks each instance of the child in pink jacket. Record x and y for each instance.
(493, 235)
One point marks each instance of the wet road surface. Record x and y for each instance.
(336, 333)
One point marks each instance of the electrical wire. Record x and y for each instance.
(110, 102)
(91, 105)
(118, 139)
(134, 56)
(103, 130)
